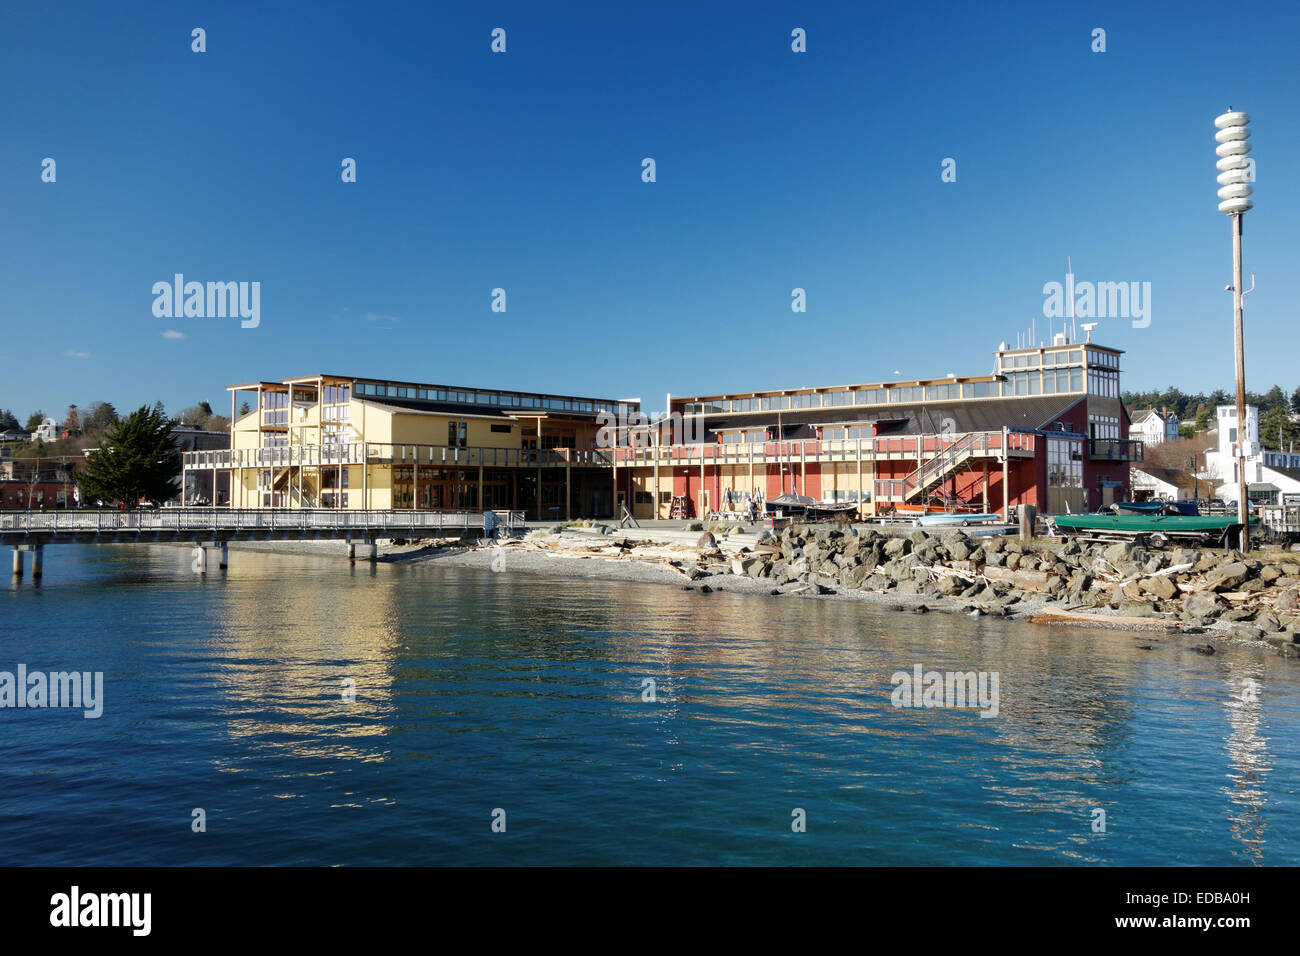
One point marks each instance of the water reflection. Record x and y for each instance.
(1249, 763)
(476, 690)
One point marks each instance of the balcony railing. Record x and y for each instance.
(376, 453)
(904, 447)
(1114, 449)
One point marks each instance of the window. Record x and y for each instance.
(665, 497)
(457, 434)
(1064, 463)
(869, 396)
(844, 433)
(504, 429)
(645, 498)
(1103, 427)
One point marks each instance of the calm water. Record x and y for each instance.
(477, 691)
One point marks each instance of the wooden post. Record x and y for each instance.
(18, 563)
(38, 560)
(1028, 513)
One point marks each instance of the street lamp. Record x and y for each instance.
(1233, 137)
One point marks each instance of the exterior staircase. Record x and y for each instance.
(933, 471)
(285, 482)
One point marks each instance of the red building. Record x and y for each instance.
(1047, 428)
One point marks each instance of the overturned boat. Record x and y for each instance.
(810, 508)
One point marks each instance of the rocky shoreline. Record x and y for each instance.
(1214, 594)
(1065, 582)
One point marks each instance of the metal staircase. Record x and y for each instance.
(934, 470)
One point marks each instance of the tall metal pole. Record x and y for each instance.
(1236, 172)
(1239, 347)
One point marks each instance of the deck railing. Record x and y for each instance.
(1109, 449)
(381, 453)
(865, 449)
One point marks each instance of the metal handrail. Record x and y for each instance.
(240, 519)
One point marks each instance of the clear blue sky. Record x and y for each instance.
(523, 171)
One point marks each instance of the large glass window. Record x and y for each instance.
(1064, 463)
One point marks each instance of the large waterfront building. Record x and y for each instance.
(333, 441)
(1046, 428)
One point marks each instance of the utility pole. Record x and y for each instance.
(1235, 174)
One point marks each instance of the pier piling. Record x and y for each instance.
(18, 562)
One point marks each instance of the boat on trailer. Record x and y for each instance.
(1153, 529)
(960, 519)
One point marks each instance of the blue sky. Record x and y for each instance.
(522, 171)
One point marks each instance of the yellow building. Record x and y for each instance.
(328, 441)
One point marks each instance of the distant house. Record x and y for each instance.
(1269, 474)
(1169, 484)
(1155, 425)
(15, 434)
(47, 431)
(37, 483)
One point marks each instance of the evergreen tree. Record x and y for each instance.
(137, 459)
(7, 420)
(1276, 430)
(1273, 398)
(1295, 400)
(34, 420)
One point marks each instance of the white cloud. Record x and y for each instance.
(173, 334)
(376, 317)
(76, 354)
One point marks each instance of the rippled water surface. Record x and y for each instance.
(477, 691)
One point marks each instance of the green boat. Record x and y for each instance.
(1155, 528)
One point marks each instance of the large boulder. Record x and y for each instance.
(895, 547)
(1228, 576)
(1202, 604)
(958, 548)
(1123, 553)
(1161, 585)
